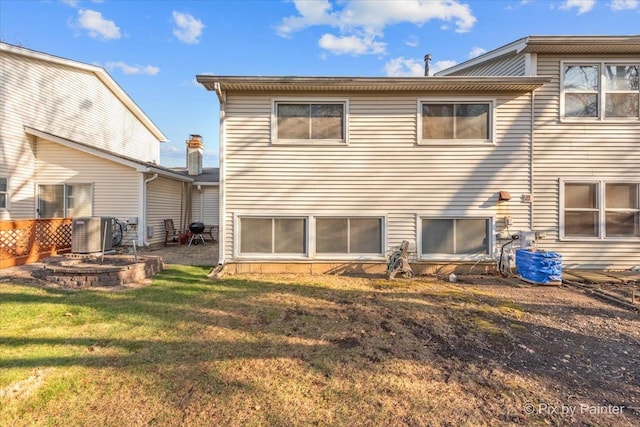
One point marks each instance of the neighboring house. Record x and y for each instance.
(332, 173)
(586, 149)
(73, 143)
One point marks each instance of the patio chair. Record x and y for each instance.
(171, 235)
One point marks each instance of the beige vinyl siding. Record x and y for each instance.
(113, 192)
(604, 150)
(164, 200)
(381, 172)
(511, 65)
(205, 205)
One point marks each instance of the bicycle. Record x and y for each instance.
(118, 229)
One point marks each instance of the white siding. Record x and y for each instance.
(165, 200)
(205, 205)
(578, 150)
(114, 191)
(64, 101)
(380, 172)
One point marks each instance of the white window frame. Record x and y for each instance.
(492, 102)
(601, 95)
(65, 196)
(308, 101)
(351, 256)
(7, 193)
(601, 208)
(238, 254)
(490, 255)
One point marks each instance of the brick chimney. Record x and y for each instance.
(195, 152)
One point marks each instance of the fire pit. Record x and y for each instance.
(85, 271)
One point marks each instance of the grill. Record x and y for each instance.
(196, 228)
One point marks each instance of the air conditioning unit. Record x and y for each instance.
(87, 234)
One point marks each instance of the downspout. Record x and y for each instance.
(222, 97)
(201, 203)
(531, 154)
(144, 208)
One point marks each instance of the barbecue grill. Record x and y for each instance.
(196, 229)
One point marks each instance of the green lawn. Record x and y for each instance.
(256, 350)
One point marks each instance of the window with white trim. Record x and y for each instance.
(588, 87)
(273, 235)
(600, 209)
(462, 121)
(65, 200)
(4, 193)
(309, 122)
(354, 235)
(455, 236)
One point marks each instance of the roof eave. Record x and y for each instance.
(386, 84)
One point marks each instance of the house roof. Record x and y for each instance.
(586, 45)
(368, 84)
(209, 176)
(138, 165)
(100, 73)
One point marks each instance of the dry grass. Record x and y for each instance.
(265, 350)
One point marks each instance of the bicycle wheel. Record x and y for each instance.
(117, 233)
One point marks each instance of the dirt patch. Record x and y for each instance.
(24, 388)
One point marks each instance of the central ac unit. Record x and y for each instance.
(90, 234)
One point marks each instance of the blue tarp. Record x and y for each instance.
(539, 266)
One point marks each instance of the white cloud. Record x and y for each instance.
(188, 28)
(70, 3)
(404, 67)
(352, 45)
(476, 51)
(411, 67)
(97, 26)
(367, 19)
(132, 69)
(624, 4)
(583, 6)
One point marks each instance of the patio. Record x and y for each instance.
(184, 254)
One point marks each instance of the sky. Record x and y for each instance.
(154, 49)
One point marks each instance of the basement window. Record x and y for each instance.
(349, 236)
(275, 235)
(455, 236)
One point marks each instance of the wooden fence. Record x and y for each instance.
(29, 240)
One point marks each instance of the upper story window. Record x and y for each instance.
(4, 193)
(601, 90)
(455, 121)
(309, 122)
